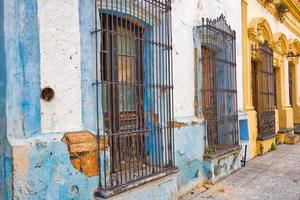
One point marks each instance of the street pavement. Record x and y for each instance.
(274, 176)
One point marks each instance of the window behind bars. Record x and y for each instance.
(291, 82)
(218, 91)
(263, 89)
(134, 72)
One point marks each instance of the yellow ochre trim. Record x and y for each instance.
(292, 20)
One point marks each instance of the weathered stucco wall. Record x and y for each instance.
(60, 64)
(23, 68)
(5, 157)
(20, 81)
(59, 52)
(187, 15)
(42, 170)
(189, 150)
(190, 139)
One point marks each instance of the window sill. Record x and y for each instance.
(265, 137)
(222, 153)
(107, 193)
(285, 130)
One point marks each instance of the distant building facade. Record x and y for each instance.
(271, 84)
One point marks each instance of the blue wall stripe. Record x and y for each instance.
(30, 59)
(23, 67)
(88, 77)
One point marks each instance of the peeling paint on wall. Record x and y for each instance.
(83, 150)
(47, 168)
(189, 148)
(222, 166)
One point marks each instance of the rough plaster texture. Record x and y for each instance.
(219, 168)
(87, 46)
(189, 140)
(58, 52)
(22, 68)
(189, 150)
(185, 17)
(5, 158)
(42, 170)
(60, 64)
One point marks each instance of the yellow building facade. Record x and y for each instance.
(271, 98)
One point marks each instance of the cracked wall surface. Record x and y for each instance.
(44, 159)
(83, 148)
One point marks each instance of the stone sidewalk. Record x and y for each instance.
(274, 176)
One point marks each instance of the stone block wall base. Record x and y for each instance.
(221, 166)
(162, 188)
(291, 138)
(280, 137)
(282, 134)
(264, 146)
(297, 129)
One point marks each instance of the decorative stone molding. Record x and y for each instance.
(281, 43)
(259, 30)
(292, 18)
(294, 46)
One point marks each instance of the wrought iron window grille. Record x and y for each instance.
(291, 54)
(218, 91)
(263, 89)
(134, 92)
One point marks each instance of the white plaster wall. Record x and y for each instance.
(186, 15)
(60, 64)
(256, 10)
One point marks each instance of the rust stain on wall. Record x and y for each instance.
(178, 124)
(83, 150)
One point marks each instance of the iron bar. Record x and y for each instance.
(264, 94)
(137, 89)
(219, 91)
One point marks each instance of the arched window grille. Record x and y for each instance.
(218, 85)
(263, 89)
(135, 86)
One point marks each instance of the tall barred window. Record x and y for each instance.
(134, 73)
(291, 83)
(263, 89)
(218, 86)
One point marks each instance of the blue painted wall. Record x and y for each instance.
(50, 174)
(23, 67)
(3, 139)
(29, 51)
(189, 150)
(19, 81)
(88, 64)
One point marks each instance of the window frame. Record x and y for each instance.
(210, 35)
(266, 90)
(157, 98)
